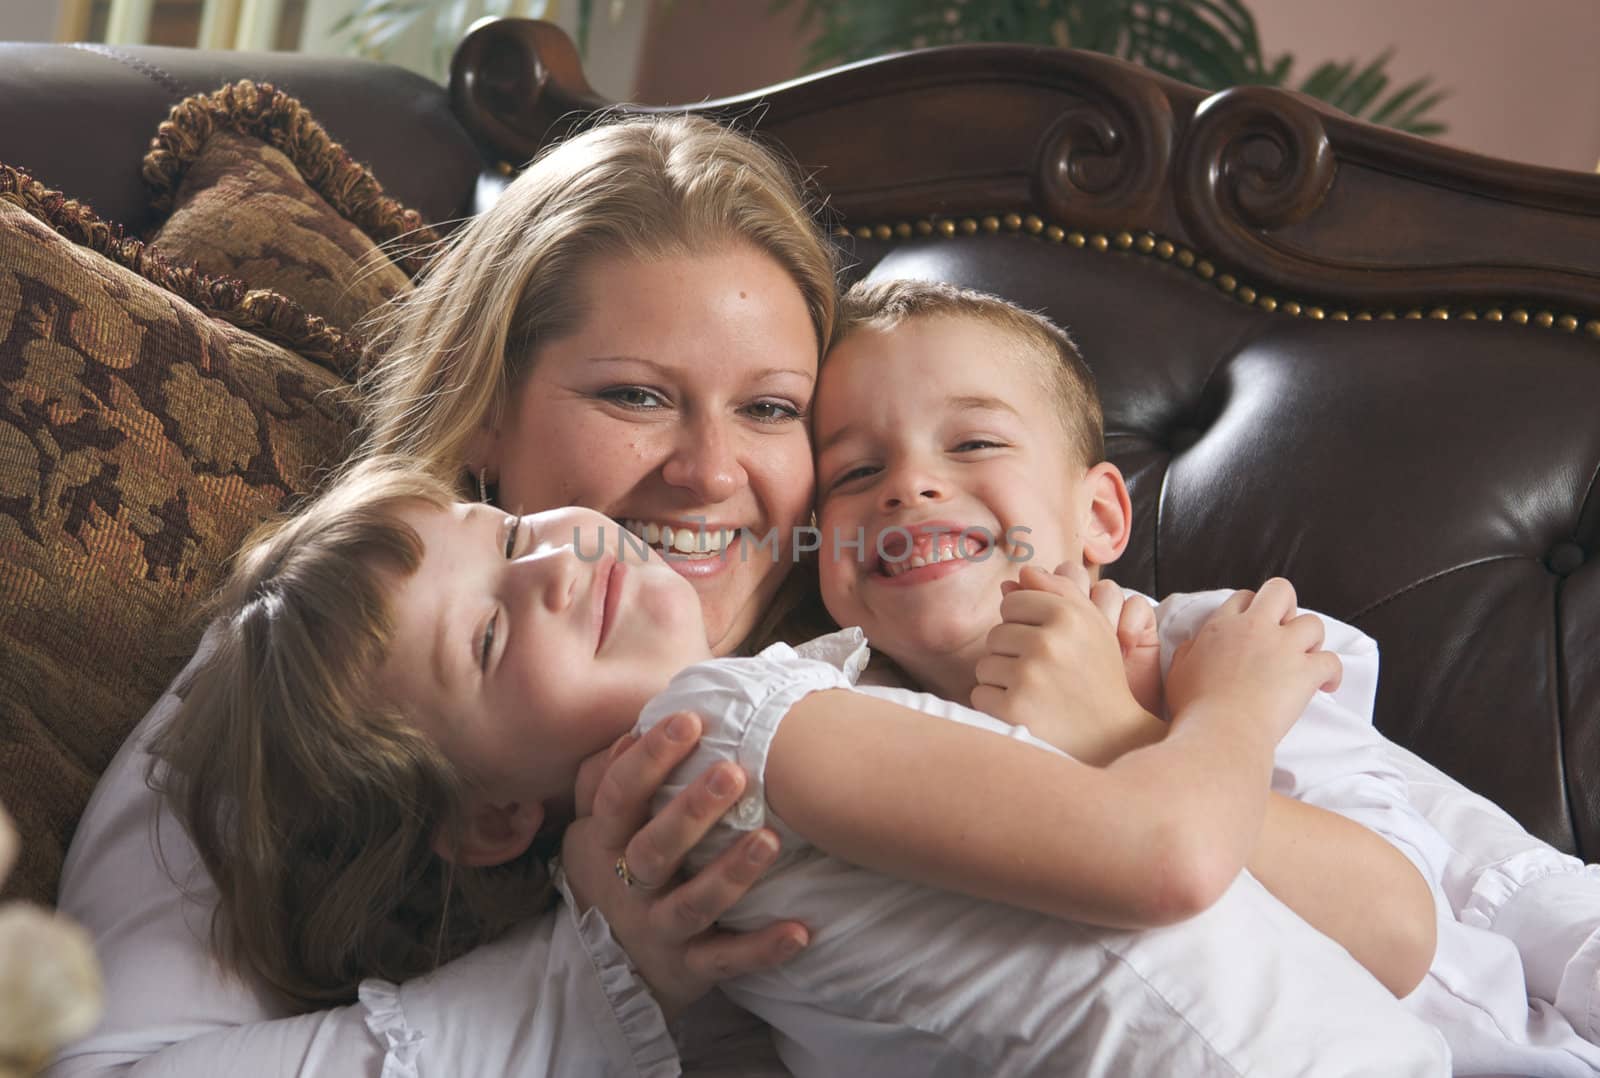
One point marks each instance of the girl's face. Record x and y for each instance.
(680, 403)
(524, 644)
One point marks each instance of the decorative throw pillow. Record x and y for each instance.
(147, 422)
(250, 186)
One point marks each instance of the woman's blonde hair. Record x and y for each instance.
(312, 799)
(510, 280)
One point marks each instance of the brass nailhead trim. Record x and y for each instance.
(1149, 243)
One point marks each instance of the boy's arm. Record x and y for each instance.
(1153, 838)
(1352, 886)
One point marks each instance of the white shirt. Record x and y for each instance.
(906, 980)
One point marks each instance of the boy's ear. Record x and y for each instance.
(491, 835)
(1107, 515)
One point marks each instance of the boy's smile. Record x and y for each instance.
(939, 446)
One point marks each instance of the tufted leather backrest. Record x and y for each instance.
(1354, 358)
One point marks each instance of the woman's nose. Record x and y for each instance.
(706, 462)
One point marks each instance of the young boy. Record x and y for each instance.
(942, 417)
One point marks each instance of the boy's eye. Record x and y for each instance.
(511, 537)
(637, 398)
(859, 472)
(974, 444)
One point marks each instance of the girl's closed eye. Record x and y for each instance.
(486, 645)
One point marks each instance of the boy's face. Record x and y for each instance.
(526, 644)
(947, 423)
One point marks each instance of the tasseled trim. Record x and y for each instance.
(262, 111)
(267, 314)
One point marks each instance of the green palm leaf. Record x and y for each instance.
(1213, 44)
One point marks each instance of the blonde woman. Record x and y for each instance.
(634, 327)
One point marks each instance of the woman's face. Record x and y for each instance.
(679, 402)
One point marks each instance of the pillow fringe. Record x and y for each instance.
(271, 315)
(262, 111)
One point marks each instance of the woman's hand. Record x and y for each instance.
(667, 929)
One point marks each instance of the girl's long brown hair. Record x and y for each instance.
(312, 800)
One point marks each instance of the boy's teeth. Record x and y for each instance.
(945, 547)
(652, 533)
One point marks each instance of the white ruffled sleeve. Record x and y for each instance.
(741, 703)
(556, 997)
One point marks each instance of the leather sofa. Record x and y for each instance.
(1358, 359)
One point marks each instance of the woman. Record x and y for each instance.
(636, 327)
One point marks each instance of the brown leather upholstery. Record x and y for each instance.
(1427, 474)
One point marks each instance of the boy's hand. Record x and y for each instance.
(1054, 666)
(1135, 622)
(1254, 661)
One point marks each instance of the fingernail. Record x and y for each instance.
(763, 848)
(790, 946)
(681, 728)
(723, 783)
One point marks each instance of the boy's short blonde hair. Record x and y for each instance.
(886, 304)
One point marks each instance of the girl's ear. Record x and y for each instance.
(492, 834)
(1108, 515)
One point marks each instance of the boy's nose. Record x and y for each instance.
(910, 488)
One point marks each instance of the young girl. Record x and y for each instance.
(404, 686)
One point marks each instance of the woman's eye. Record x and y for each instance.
(488, 642)
(773, 411)
(635, 397)
(511, 537)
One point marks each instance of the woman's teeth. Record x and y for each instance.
(694, 542)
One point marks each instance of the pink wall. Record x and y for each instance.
(1525, 75)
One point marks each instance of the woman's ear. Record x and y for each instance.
(1107, 516)
(491, 835)
(482, 450)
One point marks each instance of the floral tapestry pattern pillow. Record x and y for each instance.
(149, 417)
(251, 186)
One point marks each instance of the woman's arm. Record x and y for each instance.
(1153, 838)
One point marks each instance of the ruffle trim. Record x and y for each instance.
(262, 111)
(387, 1022)
(267, 314)
(1495, 887)
(643, 1026)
